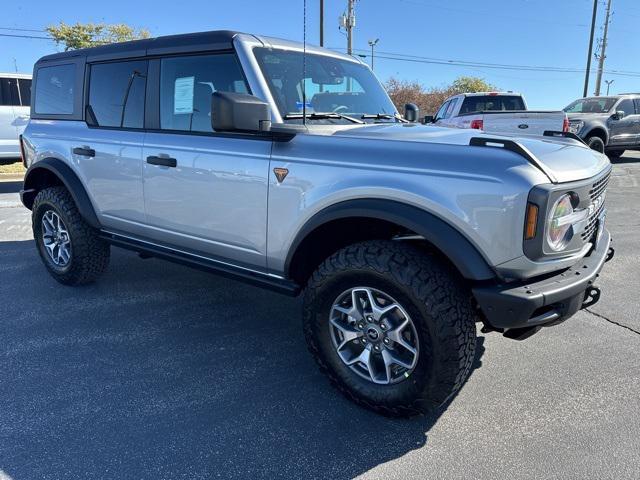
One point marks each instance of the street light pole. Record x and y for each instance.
(608, 82)
(590, 52)
(322, 23)
(373, 43)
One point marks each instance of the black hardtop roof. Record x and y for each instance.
(189, 42)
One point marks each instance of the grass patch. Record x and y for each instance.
(11, 167)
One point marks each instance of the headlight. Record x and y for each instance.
(575, 127)
(559, 231)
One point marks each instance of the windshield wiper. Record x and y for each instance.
(321, 116)
(383, 116)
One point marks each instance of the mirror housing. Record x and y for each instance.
(619, 115)
(428, 119)
(239, 112)
(411, 112)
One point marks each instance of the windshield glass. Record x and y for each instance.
(591, 105)
(332, 85)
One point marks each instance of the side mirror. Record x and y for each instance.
(239, 112)
(619, 115)
(428, 119)
(411, 112)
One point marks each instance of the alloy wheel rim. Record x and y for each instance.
(56, 239)
(374, 335)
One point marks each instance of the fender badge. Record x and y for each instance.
(281, 173)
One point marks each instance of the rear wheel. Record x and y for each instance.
(596, 143)
(70, 249)
(393, 328)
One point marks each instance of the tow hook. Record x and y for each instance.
(610, 254)
(591, 297)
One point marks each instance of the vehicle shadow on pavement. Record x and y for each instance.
(159, 371)
(10, 187)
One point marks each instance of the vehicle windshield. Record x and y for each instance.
(332, 85)
(591, 105)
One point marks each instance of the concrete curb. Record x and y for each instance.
(11, 177)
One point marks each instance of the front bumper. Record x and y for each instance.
(546, 301)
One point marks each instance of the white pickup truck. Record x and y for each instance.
(497, 112)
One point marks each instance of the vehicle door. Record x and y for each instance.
(624, 131)
(205, 192)
(108, 151)
(8, 133)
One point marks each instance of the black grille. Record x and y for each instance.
(597, 189)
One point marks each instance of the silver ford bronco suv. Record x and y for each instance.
(289, 167)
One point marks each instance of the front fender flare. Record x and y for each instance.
(37, 177)
(449, 240)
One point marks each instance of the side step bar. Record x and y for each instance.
(148, 250)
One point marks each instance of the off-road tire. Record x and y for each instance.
(595, 143)
(440, 307)
(89, 253)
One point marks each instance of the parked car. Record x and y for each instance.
(15, 99)
(607, 124)
(497, 112)
(401, 236)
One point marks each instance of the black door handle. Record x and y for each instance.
(164, 161)
(85, 152)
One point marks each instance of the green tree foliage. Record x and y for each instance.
(83, 35)
(429, 100)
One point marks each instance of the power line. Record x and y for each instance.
(24, 36)
(16, 29)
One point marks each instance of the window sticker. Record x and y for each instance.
(183, 95)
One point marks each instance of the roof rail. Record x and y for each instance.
(515, 147)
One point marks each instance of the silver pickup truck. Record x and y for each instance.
(289, 168)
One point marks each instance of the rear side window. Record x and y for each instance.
(24, 88)
(55, 90)
(9, 95)
(186, 85)
(491, 103)
(116, 94)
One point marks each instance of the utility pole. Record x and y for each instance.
(373, 43)
(590, 52)
(348, 21)
(608, 82)
(322, 23)
(603, 48)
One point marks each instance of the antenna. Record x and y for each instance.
(304, 64)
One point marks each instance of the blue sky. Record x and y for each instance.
(551, 33)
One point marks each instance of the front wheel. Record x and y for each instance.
(392, 327)
(596, 143)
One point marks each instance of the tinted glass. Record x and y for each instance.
(627, 107)
(491, 103)
(186, 85)
(451, 108)
(55, 89)
(591, 105)
(9, 92)
(441, 110)
(116, 93)
(24, 84)
(332, 85)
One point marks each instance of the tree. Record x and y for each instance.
(83, 35)
(429, 100)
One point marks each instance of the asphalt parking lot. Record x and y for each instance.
(162, 372)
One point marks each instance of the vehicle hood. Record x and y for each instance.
(566, 159)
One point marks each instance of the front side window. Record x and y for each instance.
(186, 86)
(9, 95)
(116, 94)
(330, 85)
(55, 89)
(451, 108)
(627, 107)
(442, 110)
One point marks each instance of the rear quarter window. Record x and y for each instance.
(54, 93)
